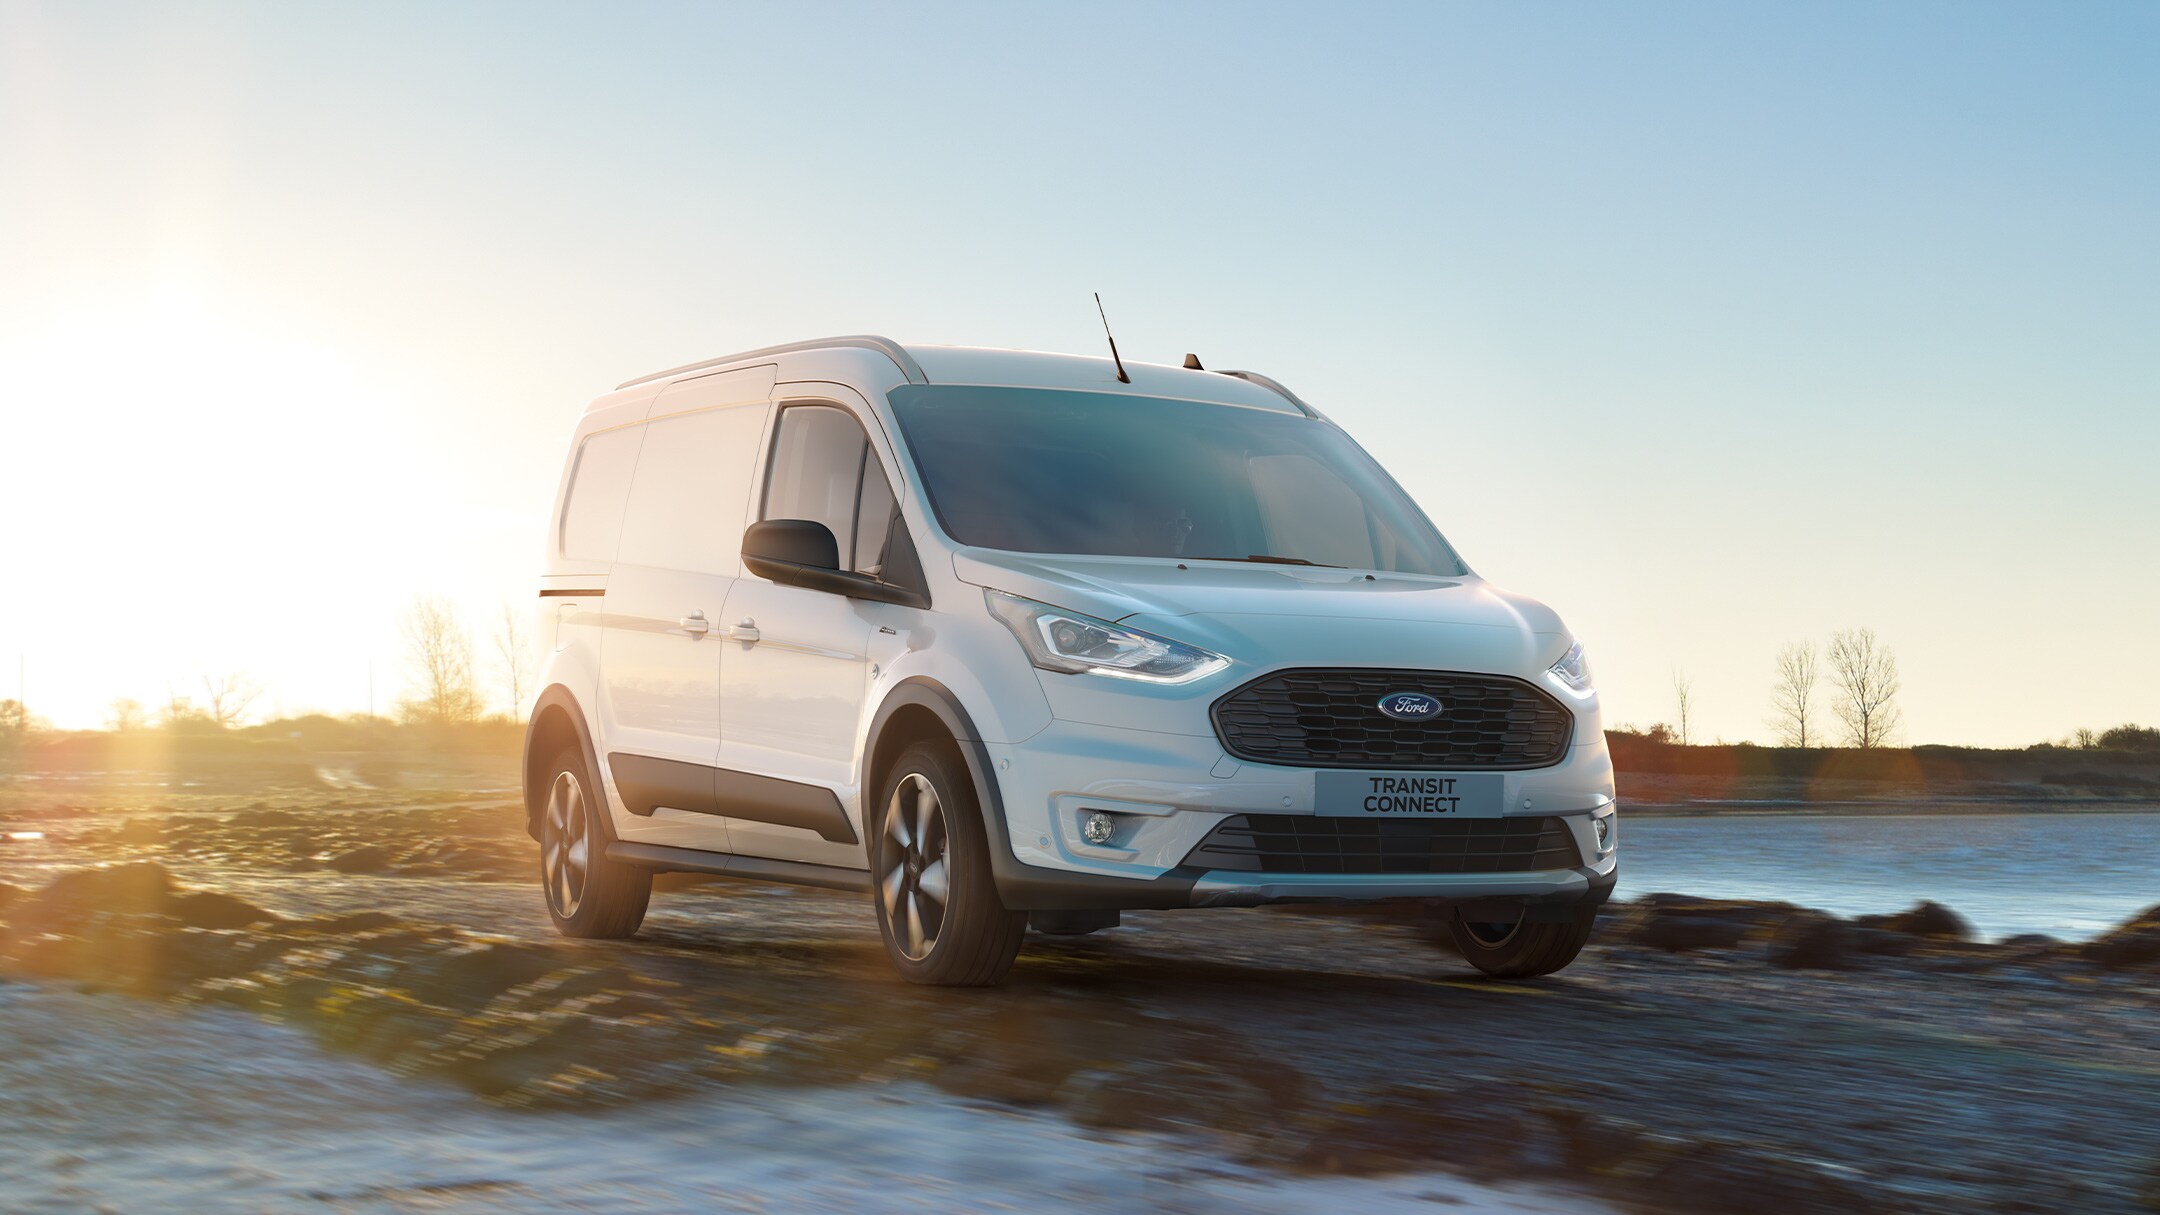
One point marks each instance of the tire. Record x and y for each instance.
(587, 894)
(1522, 950)
(928, 841)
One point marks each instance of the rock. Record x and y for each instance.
(263, 818)
(211, 909)
(1882, 942)
(1676, 928)
(1922, 919)
(1810, 940)
(140, 831)
(468, 979)
(140, 888)
(1419, 1127)
(2136, 942)
(372, 858)
(1678, 922)
(345, 925)
(9, 895)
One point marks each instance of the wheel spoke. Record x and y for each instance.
(918, 944)
(895, 882)
(934, 883)
(896, 824)
(577, 855)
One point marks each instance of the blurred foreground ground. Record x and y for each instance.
(752, 1050)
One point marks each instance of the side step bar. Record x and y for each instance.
(662, 859)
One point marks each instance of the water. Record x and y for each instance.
(109, 1105)
(2067, 875)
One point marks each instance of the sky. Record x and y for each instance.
(1716, 327)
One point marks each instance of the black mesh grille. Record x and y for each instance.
(1332, 719)
(1301, 843)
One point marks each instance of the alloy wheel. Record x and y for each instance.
(916, 881)
(565, 845)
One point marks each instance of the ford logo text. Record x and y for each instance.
(1410, 706)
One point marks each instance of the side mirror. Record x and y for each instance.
(802, 552)
(792, 543)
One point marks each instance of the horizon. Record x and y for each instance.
(1715, 330)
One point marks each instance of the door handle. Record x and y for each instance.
(745, 632)
(695, 624)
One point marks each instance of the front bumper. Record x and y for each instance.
(1168, 791)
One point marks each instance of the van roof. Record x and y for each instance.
(1031, 369)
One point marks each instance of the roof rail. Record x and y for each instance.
(1273, 386)
(861, 341)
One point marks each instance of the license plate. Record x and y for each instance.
(1407, 795)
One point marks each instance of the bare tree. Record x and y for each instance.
(1866, 676)
(1792, 697)
(1684, 692)
(440, 651)
(180, 710)
(228, 697)
(513, 647)
(126, 713)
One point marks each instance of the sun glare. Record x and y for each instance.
(203, 486)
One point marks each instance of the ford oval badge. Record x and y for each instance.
(1410, 706)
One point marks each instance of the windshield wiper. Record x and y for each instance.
(1265, 559)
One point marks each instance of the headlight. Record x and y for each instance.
(1573, 670)
(1058, 640)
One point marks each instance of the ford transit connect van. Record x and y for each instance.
(1004, 639)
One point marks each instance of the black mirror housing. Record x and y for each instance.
(802, 552)
(802, 542)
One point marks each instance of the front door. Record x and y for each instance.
(797, 670)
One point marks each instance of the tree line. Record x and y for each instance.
(1863, 676)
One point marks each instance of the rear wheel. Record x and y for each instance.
(937, 904)
(588, 895)
(1522, 950)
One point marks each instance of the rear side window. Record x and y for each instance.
(691, 491)
(593, 509)
(823, 470)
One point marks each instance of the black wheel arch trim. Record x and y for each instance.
(557, 697)
(1021, 886)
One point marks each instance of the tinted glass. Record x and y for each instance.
(821, 468)
(1043, 471)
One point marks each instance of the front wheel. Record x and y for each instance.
(937, 905)
(1522, 950)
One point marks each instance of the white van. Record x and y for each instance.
(1006, 639)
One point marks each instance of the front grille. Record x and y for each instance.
(1332, 719)
(1303, 843)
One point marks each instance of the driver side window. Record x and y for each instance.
(824, 470)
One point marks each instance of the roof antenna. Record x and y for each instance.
(1122, 378)
(1192, 363)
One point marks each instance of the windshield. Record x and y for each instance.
(1039, 470)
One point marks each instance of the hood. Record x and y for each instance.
(1288, 613)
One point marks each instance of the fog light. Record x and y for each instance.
(1603, 823)
(1097, 828)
